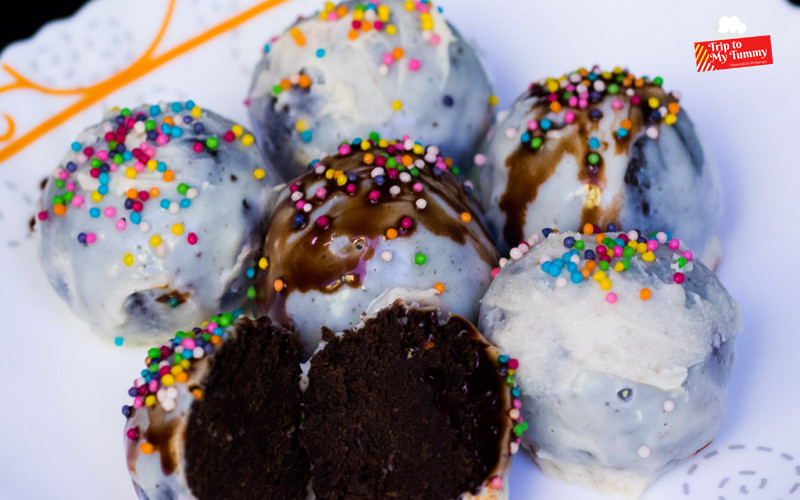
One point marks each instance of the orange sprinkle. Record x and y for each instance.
(182, 377)
(645, 293)
(583, 71)
(448, 161)
(391, 233)
(429, 344)
(132, 193)
(600, 237)
(279, 285)
(588, 229)
(304, 81)
(295, 32)
(590, 265)
(639, 82)
(169, 121)
(369, 158)
(197, 393)
(300, 41)
(366, 26)
(673, 107)
(147, 448)
(585, 273)
(555, 106)
(627, 82)
(398, 53)
(59, 209)
(154, 192)
(556, 231)
(341, 11)
(286, 84)
(466, 217)
(407, 160)
(216, 339)
(439, 287)
(626, 124)
(169, 176)
(352, 34)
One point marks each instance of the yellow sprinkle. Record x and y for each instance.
(605, 284)
(237, 130)
(196, 112)
(130, 172)
(177, 229)
(599, 276)
(185, 363)
(383, 13)
(619, 267)
(358, 15)
(329, 6)
(493, 100)
(127, 259)
(150, 400)
(418, 149)
(641, 247)
(466, 217)
(648, 256)
(329, 173)
(633, 243)
(382, 143)
(168, 379)
(397, 105)
(323, 15)
(365, 145)
(176, 369)
(617, 70)
(155, 240)
(653, 102)
(295, 32)
(97, 197)
(427, 21)
(263, 263)
(670, 119)
(248, 139)
(152, 164)
(391, 29)
(341, 180)
(552, 85)
(301, 125)
(409, 5)
(147, 448)
(259, 173)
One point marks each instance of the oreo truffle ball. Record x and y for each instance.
(373, 221)
(625, 343)
(412, 404)
(392, 67)
(216, 414)
(152, 219)
(596, 147)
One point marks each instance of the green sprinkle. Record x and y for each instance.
(415, 172)
(593, 158)
(149, 124)
(96, 163)
(154, 352)
(391, 163)
(212, 142)
(60, 183)
(57, 200)
(658, 81)
(276, 89)
(455, 170)
(182, 188)
(420, 259)
(251, 292)
(613, 88)
(118, 159)
(536, 142)
(374, 136)
(603, 264)
(579, 245)
(68, 196)
(125, 112)
(628, 252)
(681, 261)
(225, 320)
(173, 302)
(626, 263)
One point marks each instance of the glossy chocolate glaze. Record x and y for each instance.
(329, 246)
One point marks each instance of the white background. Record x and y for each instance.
(61, 390)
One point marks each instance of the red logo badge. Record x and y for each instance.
(733, 53)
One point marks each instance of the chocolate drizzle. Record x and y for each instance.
(329, 246)
(541, 151)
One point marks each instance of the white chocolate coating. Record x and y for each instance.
(224, 206)
(658, 177)
(445, 101)
(579, 354)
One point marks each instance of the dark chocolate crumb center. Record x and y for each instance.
(392, 411)
(242, 438)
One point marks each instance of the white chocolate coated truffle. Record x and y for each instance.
(150, 223)
(619, 384)
(402, 72)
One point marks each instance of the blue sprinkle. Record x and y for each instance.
(565, 257)
(128, 203)
(516, 392)
(619, 242)
(611, 227)
(251, 272)
(298, 220)
(126, 410)
(576, 277)
(76, 146)
(546, 232)
(595, 114)
(177, 107)
(189, 104)
(379, 180)
(161, 167)
(320, 53)
(437, 171)
(594, 143)
(176, 132)
(132, 391)
(71, 166)
(144, 373)
(592, 76)
(306, 136)
(503, 358)
(352, 176)
(572, 267)
(155, 110)
(621, 132)
(103, 189)
(185, 203)
(546, 266)
(187, 354)
(569, 242)
(589, 254)
(208, 348)
(555, 271)
(94, 212)
(152, 134)
(103, 178)
(669, 235)
(166, 128)
(127, 155)
(81, 237)
(525, 137)
(237, 313)
(218, 331)
(165, 204)
(266, 48)
(574, 252)
(187, 119)
(448, 100)
(104, 167)
(136, 218)
(118, 342)
(356, 141)
(199, 128)
(545, 124)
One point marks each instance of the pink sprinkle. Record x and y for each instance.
(569, 117)
(91, 238)
(674, 243)
(513, 363)
(137, 206)
(153, 385)
(678, 278)
(77, 200)
(378, 25)
(570, 88)
(229, 137)
(351, 188)
(198, 147)
(88, 151)
(405, 222)
(374, 195)
(552, 97)
(533, 125)
(573, 101)
(132, 434)
(211, 327)
(583, 103)
(583, 95)
(70, 186)
(601, 250)
(423, 7)
(414, 65)
(191, 238)
(163, 370)
(300, 204)
(293, 187)
(611, 297)
(495, 271)
(63, 174)
(344, 149)
(635, 100)
(388, 59)
(129, 122)
(417, 187)
(110, 212)
(517, 405)
(497, 483)
(332, 16)
(113, 167)
(435, 39)
(188, 343)
(392, 173)
(323, 221)
(138, 401)
(652, 244)
(616, 104)
(102, 155)
(162, 139)
(618, 251)
(688, 255)
(321, 192)
(43, 215)
(121, 225)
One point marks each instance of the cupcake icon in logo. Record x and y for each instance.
(742, 471)
(731, 25)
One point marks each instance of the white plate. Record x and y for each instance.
(61, 390)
